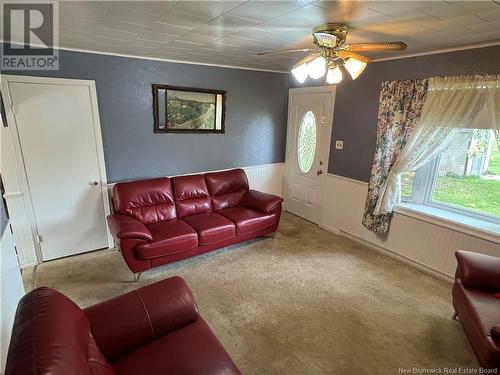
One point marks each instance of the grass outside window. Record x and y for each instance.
(477, 193)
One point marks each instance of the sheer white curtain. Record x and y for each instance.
(452, 103)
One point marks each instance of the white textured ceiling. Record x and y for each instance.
(232, 32)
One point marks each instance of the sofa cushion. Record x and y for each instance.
(169, 237)
(248, 220)
(192, 350)
(227, 188)
(211, 227)
(480, 305)
(191, 195)
(149, 201)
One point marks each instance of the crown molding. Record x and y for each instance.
(381, 59)
(437, 51)
(165, 60)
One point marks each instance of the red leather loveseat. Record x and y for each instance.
(163, 220)
(150, 331)
(477, 280)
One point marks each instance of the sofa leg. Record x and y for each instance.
(137, 276)
(271, 235)
(455, 315)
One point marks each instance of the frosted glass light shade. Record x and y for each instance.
(300, 73)
(334, 75)
(317, 68)
(354, 67)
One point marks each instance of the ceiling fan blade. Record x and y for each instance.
(380, 46)
(286, 51)
(347, 54)
(306, 59)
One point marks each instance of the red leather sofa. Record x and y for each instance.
(162, 220)
(477, 280)
(150, 331)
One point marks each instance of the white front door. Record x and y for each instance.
(310, 115)
(56, 126)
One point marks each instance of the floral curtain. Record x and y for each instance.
(452, 103)
(400, 108)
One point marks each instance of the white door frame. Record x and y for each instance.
(30, 227)
(327, 89)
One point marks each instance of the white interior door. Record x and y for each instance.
(60, 145)
(310, 114)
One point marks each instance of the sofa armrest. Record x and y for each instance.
(124, 226)
(478, 270)
(261, 201)
(130, 321)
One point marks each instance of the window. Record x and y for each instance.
(407, 181)
(464, 179)
(306, 142)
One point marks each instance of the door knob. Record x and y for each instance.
(94, 183)
(319, 171)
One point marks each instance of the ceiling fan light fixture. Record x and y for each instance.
(355, 67)
(334, 75)
(301, 72)
(317, 68)
(331, 54)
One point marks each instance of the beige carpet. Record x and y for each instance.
(305, 302)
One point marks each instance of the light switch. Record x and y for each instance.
(339, 145)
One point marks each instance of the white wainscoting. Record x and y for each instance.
(11, 291)
(428, 246)
(20, 218)
(267, 178)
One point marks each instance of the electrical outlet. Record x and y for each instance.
(339, 145)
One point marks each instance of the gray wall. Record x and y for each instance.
(356, 104)
(255, 115)
(256, 111)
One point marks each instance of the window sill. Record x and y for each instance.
(482, 229)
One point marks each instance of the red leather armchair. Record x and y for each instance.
(163, 220)
(150, 331)
(477, 280)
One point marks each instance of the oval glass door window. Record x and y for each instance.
(306, 142)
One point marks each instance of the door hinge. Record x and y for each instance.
(39, 238)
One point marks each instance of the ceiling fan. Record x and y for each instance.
(331, 54)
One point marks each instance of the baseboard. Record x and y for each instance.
(26, 265)
(400, 258)
(330, 229)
